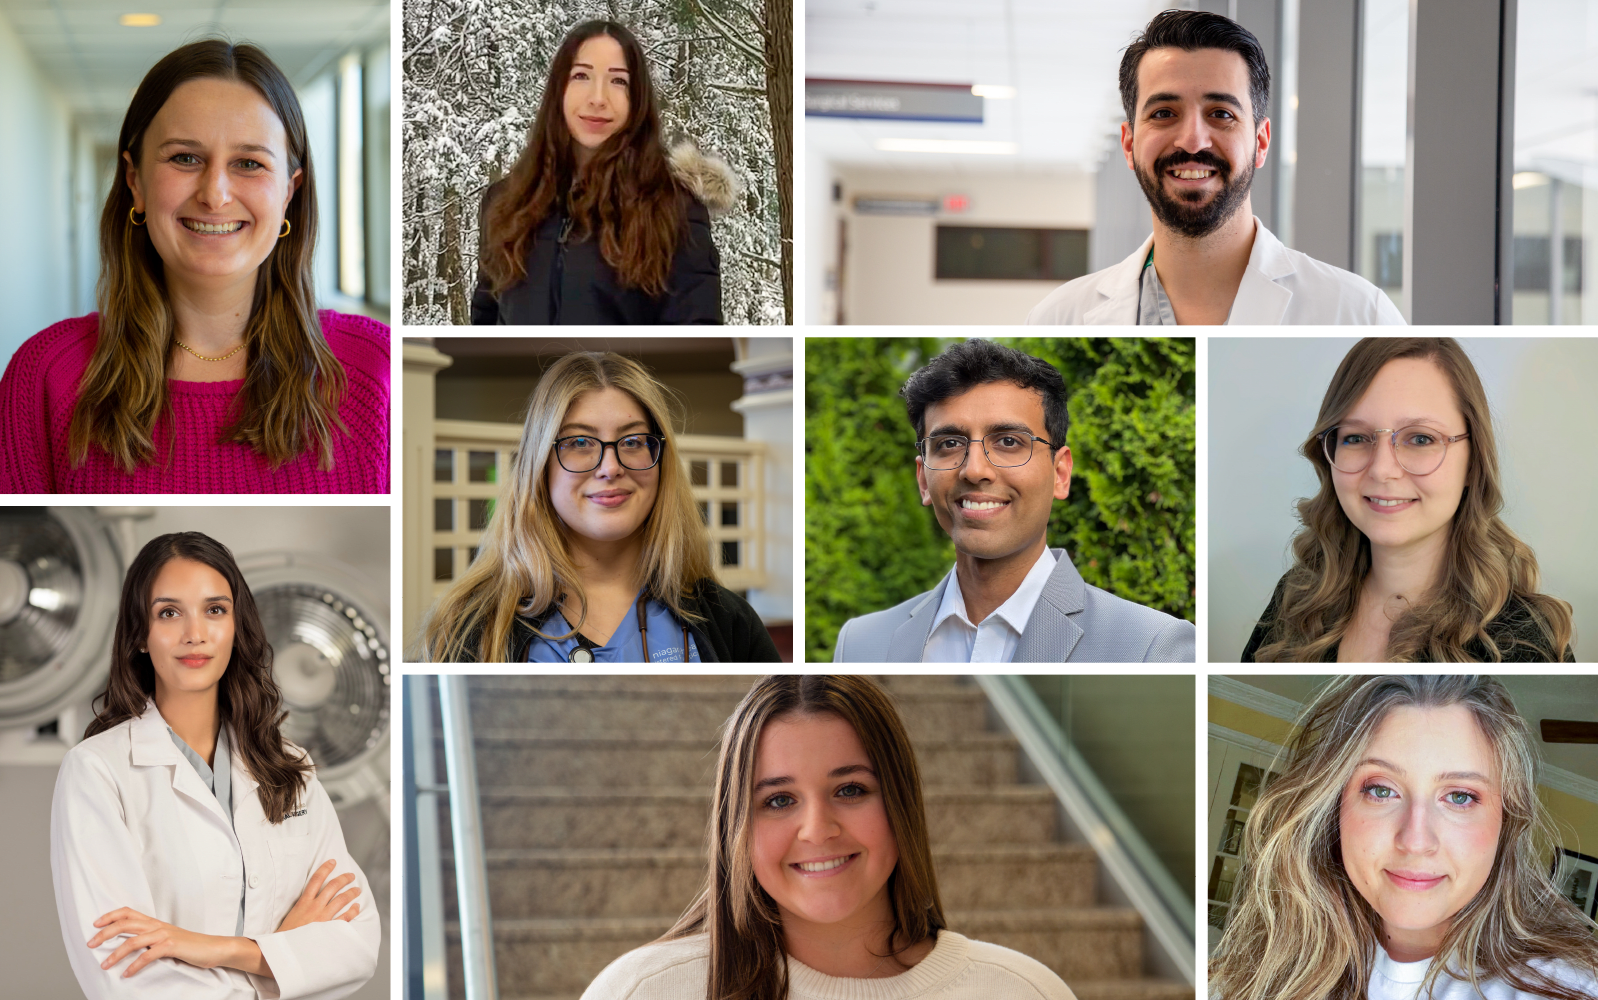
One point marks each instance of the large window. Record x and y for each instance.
(1556, 162)
(1384, 111)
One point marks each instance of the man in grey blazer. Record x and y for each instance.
(991, 460)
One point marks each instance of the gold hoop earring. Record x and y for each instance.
(285, 230)
(132, 220)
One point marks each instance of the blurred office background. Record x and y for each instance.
(466, 399)
(1447, 150)
(68, 69)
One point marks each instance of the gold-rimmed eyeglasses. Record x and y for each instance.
(1004, 449)
(1420, 450)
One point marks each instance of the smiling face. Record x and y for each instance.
(214, 181)
(992, 512)
(820, 842)
(612, 502)
(596, 102)
(1194, 145)
(1397, 509)
(1419, 823)
(190, 639)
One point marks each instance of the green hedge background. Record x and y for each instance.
(1128, 525)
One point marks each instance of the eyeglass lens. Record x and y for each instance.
(583, 454)
(1005, 449)
(1420, 450)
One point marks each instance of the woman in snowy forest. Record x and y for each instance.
(597, 222)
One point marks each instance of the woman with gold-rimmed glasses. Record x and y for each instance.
(1402, 556)
(596, 551)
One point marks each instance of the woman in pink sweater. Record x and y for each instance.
(207, 368)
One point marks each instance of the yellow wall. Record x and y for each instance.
(1249, 722)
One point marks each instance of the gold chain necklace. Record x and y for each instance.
(202, 357)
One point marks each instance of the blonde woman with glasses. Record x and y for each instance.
(596, 552)
(1402, 556)
(1402, 854)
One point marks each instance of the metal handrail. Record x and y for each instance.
(1132, 865)
(429, 899)
(466, 828)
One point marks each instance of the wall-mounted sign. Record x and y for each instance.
(866, 205)
(926, 102)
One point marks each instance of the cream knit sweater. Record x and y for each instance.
(957, 968)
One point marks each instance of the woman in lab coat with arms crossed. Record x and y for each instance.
(195, 855)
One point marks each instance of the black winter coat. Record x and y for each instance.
(568, 282)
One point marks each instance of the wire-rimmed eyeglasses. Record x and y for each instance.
(1420, 450)
(1004, 449)
(583, 452)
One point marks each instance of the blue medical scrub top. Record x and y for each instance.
(625, 645)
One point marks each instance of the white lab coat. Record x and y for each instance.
(1281, 286)
(133, 825)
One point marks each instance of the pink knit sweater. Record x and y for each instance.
(41, 385)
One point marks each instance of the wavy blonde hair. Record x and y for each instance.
(292, 382)
(524, 563)
(1487, 565)
(745, 927)
(1300, 930)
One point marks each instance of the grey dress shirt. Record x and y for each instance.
(219, 780)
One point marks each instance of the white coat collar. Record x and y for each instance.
(153, 747)
(1261, 299)
(1120, 288)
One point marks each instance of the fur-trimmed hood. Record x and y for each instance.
(707, 177)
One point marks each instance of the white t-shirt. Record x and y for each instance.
(957, 968)
(1392, 980)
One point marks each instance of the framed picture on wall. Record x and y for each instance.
(1577, 877)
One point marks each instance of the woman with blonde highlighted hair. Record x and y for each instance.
(821, 883)
(1402, 556)
(208, 368)
(1401, 853)
(596, 551)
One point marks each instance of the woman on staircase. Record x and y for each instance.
(821, 884)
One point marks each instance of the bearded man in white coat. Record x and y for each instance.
(1195, 86)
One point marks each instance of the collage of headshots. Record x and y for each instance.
(286, 548)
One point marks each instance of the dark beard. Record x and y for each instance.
(1195, 219)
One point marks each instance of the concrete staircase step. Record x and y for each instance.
(511, 756)
(544, 957)
(664, 706)
(620, 882)
(676, 817)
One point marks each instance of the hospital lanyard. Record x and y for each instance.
(582, 654)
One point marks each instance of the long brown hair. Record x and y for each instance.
(746, 940)
(1299, 928)
(1486, 566)
(292, 381)
(524, 561)
(625, 195)
(248, 701)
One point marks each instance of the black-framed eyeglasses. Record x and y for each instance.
(1004, 449)
(1420, 450)
(583, 452)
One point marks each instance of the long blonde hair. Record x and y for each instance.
(292, 382)
(1486, 567)
(745, 928)
(524, 563)
(1300, 930)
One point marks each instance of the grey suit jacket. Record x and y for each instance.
(1071, 623)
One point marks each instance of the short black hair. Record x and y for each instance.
(1189, 30)
(971, 363)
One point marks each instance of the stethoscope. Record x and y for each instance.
(582, 654)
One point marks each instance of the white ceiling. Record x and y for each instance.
(95, 62)
(1536, 697)
(1062, 57)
